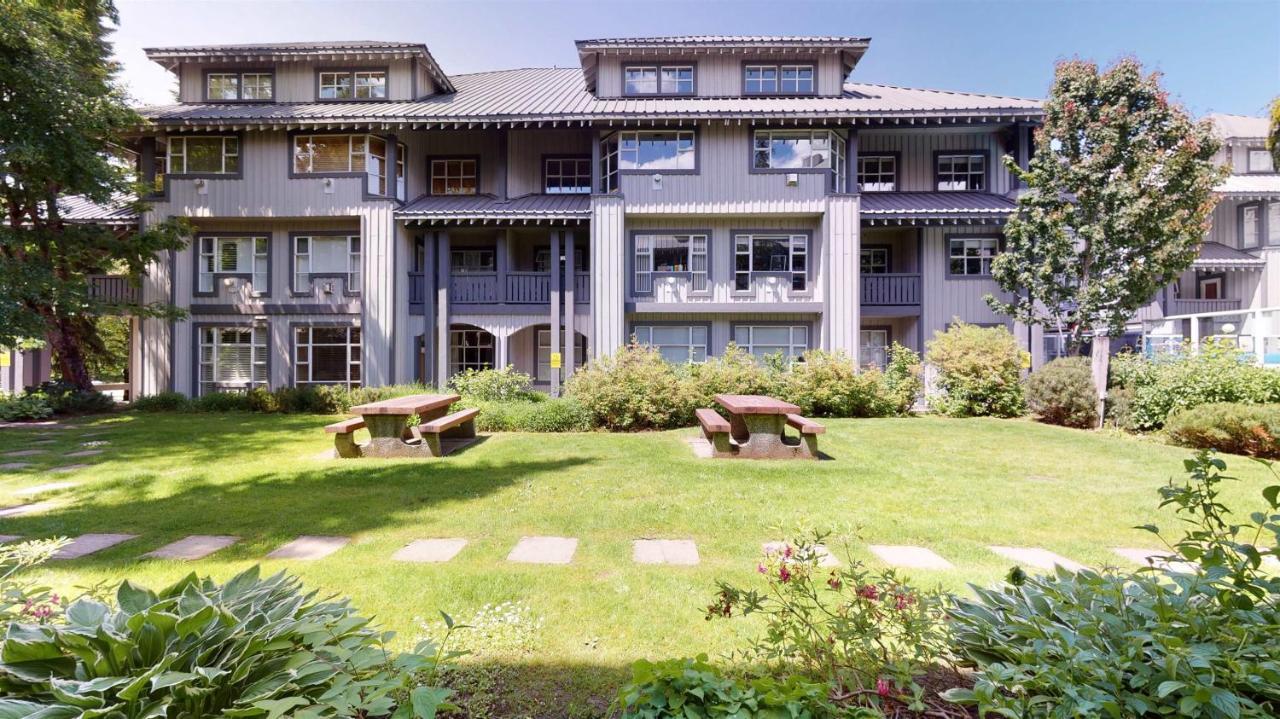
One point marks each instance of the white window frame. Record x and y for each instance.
(209, 350)
(964, 243)
(686, 158)
(176, 155)
(744, 247)
(304, 271)
(1273, 222)
(659, 75)
(797, 80)
(696, 345)
(304, 356)
(968, 174)
(441, 168)
(866, 345)
(697, 265)
(1251, 225)
(210, 262)
(825, 144)
(542, 359)
(868, 267)
(402, 168)
(797, 345)
(575, 169)
(1267, 162)
(460, 333)
(208, 86)
(762, 79)
(334, 81)
(872, 179)
(357, 146)
(779, 81)
(364, 86)
(610, 157)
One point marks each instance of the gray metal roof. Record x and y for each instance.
(1239, 127)
(1250, 186)
(895, 207)
(1215, 255)
(486, 207)
(80, 209)
(768, 41)
(559, 95)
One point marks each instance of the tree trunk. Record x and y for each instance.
(1101, 361)
(65, 340)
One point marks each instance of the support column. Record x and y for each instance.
(841, 301)
(608, 275)
(502, 261)
(570, 310)
(555, 309)
(428, 280)
(442, 309)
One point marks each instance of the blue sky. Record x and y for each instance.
(1221, 56)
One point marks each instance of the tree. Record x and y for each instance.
(1273, 137)
(63, 122)
(1118, 198)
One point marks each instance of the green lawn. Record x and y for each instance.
(952, 485)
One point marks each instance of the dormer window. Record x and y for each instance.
(961, 172)
(771, 79)
(353, 85)
(238, 86)
(657, 80)
(1260, 160)
(454, 176)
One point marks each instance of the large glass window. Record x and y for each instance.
(401, 166)
(471, 260)
(453, 177)
(962, 172)
(353, 85)
(875, 260)
(609, 163)
(1250, 226)
(877, 173)
(972, 256)
(763, 79)
(545, 371)
(204, 155)
(790, 341)
(244, 257)
(874, 347)
(1260, 160)
(232, 359)
(1273, 222)
(800, 150)
(773, 254)
(567, 175)
(671, 253)
(657, 80)
(470, 348)
(326, 355)
(655, 150)
(239, 86)
(328, 257)
(678, 344)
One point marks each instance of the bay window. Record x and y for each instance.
(326, 257)
(232, 359)
(239, 85)
(877, 173)
(678, 344)
(791, 150)
(326, 355)
(204, 155)
(242, 257)
(961, 172)
(671, 254)
(349, 155)
(971, 256)
(454, 176)
(657, 80)
(789, 341)
(781, 254)
(657, 150)
(353, 85)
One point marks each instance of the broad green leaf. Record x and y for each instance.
(278, 707)
(428, 700)
(134, 599)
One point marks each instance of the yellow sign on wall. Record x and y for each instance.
(4, 358)
(555, 360)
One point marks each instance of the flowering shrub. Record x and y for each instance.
(979, 371)
(869, 635)
(20, 600)
(1062, 393)
(493, 385)
(1216, 373)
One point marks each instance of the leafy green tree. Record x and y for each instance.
(1273, 137)
(1118, 198)
(63, 121)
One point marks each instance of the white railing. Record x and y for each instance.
(1254, 331)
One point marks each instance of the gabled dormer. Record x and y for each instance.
(719, 66)
(1244, 144)
(355, 71)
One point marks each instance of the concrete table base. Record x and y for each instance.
(391, 437)
(762, 436)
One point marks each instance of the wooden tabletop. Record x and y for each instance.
(755, 404)
(407, 405)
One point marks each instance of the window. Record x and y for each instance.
(972, 256)
(1250, 226)
(877, 173)
(402, 192)
(874, 347)
(677, 344)
(875, 260)
(774, 254)
(609, 164)
(243, 257)
(1210, 288)
(326, 355)
(453, 177)
(1273, 222)
(567, 175)
(376, 166)
(328, 257)
(238, 86)
(790, 341)
(657, 80)
(232, 359)
(465, 261)
(353, 85)
(1056, 344)
(778, 79)
(1260, 161)
(544, 371)
(672, 254)
(790, 150)
(349, 155)
(651, 150)
(962, 172)
(204, 155)
(470, 348)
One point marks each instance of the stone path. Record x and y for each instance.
(84, 453)
(1157, 557)
(22, 509)
(543, 550)
(665, 551)
(87, 544)
(197, 546)
(10, 466)
(909, 557)
(70, 468)
(42, 488)
(825, 559)
(309, 547)
(1036, 557)
(24, 453)
(430, 550)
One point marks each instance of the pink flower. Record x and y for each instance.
(786, 552)
(902, 601)
(869, 591)
(784, 574)
(883, 688)
(762, 569)
(834, 582)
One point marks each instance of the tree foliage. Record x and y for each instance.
(1273, 136)
(63, 122)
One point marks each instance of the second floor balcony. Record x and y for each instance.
(896, 289)
(509, 288)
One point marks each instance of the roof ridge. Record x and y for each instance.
(942, 92)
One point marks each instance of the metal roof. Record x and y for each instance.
(485, 207)
(766, 41)
(1217, 255)
(80, 209)
(891, 208)
(1250, 186)
(1239, 127)
(532, 96)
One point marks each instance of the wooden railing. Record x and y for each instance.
(473, 289)
(1190, 307)
(115, 289)
(528, 288)
(522, 288)
(581, 288)
(890, 289)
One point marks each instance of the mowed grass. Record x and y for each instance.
(955, 486)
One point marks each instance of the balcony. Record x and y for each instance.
(891, 290)
(113, 289)
(514, 288)
(1191, 307)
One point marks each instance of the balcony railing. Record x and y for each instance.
(891, 289)
(521, 288)
(1191, 307)
(473, 289)
(528, 288)
(114, 289)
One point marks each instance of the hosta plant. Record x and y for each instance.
(251, 647)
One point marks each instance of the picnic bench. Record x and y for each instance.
(437, 433)
(756, 429)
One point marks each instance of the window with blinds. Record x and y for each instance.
(327, 355)
(232, 359)
(241, 257)
(326, 256)
(671, 254)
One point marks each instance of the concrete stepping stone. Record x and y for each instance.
(84, 453)
(42, 488)
(1036, 557)
(71, 468)
(825, 558)
(309, 547)
(430, 550)
(24, 453)
(909, 557)
(6, 538)
(43, 441)
(683, 552)
(22, 509)
(10, 466)
(544, 550)
(1157, 557)
(87, 544)
(197, 546)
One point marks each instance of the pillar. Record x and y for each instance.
(570, 332)
(442, 308)
(555, 309)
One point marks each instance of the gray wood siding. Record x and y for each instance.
(719, 75)
(948, 298)
(916, 150)
(840, 231)
(608, 274)
(526, 149)
(422, 145)
(296, 81)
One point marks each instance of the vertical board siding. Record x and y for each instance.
(917, 154)
(296, 81)
(526, 148)
(840, 230)
(946, 299)
(719, 75)
(608, 278)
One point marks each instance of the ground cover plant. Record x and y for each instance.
(1252, 429)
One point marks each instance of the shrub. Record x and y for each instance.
(1062, 392)
(1237, 428)
(22, 600)
(20, 407)
(162, 402)
(548, 415)
(1119, 408)
(222, 402)
(249, 648)
(66, 398)
(693, 689)
(829, 385)
(902, 378)
(978, 371)
(735, 371)
(1151, 643)
(493, 385)
(633, 389)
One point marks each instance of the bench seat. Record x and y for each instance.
(805, 426)
(343, 432)
(346, 426)
(449, 421)
(716, 429)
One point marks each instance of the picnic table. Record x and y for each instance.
(437, 433)
(757, 428)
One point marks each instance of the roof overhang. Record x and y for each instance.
(891, 209)
(530, 209)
